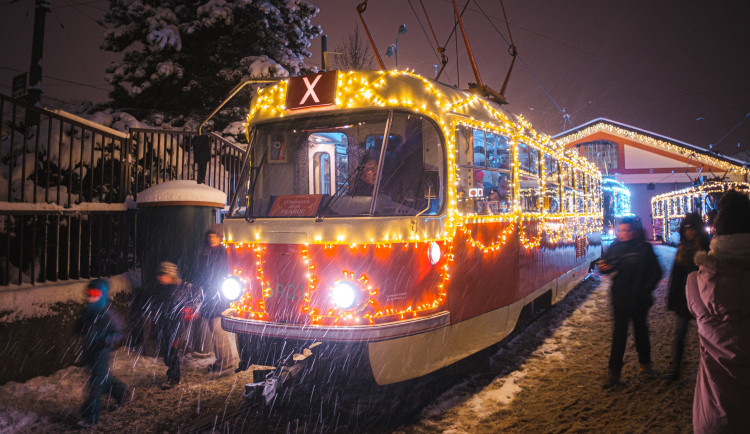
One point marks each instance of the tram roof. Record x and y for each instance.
(407, 90)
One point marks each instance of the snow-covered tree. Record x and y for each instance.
(182, 56)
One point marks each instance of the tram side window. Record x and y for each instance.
(568, 195)
(480, 159)
(485, 185)
(580, 193)
(528, 164)
(464, 146)
(551, 184)
(498, 151)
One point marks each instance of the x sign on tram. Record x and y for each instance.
(312, 90)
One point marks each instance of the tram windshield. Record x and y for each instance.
(344, 164)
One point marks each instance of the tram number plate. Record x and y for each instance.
(290, 291)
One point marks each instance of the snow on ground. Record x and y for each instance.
(32, 301)
(547, 379)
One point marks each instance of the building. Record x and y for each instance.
(647, 163)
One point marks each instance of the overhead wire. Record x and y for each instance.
(72, 46)
(425, 34)
(51, 77)
(566, 116)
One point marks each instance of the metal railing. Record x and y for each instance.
(54, 165)
(166, 155)
(39, 246)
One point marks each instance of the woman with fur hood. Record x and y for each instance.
(718, 296)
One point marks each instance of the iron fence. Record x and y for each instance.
(39, 246)
(54, 165)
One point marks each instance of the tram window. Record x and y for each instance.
(568, 200)
(464, 146)
(498, 151)
(551, 170)
(529, 193)
(552, 198)
(565, 175)
(401, 190)
(299, 165)
(479, 147)
(528, 159)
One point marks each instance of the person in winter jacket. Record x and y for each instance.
(635, 271)
(693, 239)
(211, 269)
(718, 295)
(175, 301)
(101, 330)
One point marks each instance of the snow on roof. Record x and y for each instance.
(182, 191)
(26, 301)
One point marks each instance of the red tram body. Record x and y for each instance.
(467, 215)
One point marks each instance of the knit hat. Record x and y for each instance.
(216, 229)
(169, 269)
(103, 286)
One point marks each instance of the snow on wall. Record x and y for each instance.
(18, 302)
(182, 191)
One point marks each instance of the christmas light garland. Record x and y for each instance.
(449, 109)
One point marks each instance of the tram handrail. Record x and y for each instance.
(234, 92)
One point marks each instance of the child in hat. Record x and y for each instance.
(177, 301)
(101, 330)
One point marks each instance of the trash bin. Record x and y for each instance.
(172, 218)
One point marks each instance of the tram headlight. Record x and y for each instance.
(344, 294)
(433, 253)
(231, 288)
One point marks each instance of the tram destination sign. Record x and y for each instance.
(312, 90)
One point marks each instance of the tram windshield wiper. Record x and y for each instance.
(340, 191)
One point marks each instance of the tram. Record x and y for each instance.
(615, 205)
(670, 208)
(400, 223)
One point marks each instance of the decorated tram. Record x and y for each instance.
(400, 224)
(670, 208)
(615, 205)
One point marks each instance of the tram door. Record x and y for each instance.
(327, 162)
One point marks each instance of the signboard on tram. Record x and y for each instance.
(312, 90)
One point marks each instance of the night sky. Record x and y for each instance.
(676, 68)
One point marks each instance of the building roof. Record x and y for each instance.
(668, 144)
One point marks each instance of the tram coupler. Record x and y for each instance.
(268, 383)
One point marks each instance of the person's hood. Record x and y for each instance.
(726, 251)
(103, 286)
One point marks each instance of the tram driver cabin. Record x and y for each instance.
(403, 220)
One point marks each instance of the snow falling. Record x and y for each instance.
(547, 379)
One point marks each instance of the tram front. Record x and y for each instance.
(336, 237)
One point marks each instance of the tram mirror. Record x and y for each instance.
(430, 184)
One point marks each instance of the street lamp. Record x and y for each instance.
(393, 48)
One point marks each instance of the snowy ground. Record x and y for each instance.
(547, 379)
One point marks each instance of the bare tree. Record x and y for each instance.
(355, 52)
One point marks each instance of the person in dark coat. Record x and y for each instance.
(211, 270)
(101, 329)
(693, 239)
(175, 301)
(635, 271)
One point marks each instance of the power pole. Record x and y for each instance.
(37, 48)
